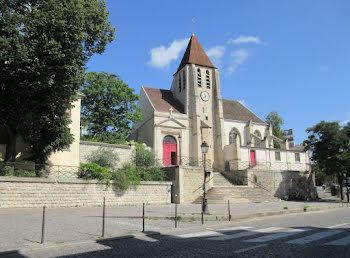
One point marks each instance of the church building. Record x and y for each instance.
(177, 121)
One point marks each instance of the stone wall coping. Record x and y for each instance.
(70, 181)
(103, 144)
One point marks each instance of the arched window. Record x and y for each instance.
(208, 79)
(233, 136)
(169, 139)
(199, 78)
(184, 80)
(257, 142)
(179, 83)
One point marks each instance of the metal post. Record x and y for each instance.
(205, 201)
(103, 216)
(43, 226)
(175, 214)
(229, 211)
(143, 218)
(202, 217)
(347, 189)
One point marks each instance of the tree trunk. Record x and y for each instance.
(340, 181)
(11, 145)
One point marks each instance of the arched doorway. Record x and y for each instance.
(169, 151)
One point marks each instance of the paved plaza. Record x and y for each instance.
(21, 228)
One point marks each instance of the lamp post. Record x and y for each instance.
(180, 161)
(205, 148)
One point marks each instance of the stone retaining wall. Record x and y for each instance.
(123, 152)
(36, 192)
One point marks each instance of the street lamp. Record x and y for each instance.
(180, 161)
(205, 148)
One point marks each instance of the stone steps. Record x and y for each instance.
(223, 190)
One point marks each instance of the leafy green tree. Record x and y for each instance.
(44, 46)
(108, 105)
(275, 121)
(330, 147)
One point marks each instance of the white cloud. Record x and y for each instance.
(244, 39)
(216, 53)
(242, 101)
(345, 122)
(238, 58)
(323, 67)
(162, 56)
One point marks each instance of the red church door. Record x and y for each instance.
(252, 158)
(169, 151)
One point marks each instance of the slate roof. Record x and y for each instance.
(163, 100)
(195, 54)
(236, 111)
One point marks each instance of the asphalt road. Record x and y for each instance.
(324, 234)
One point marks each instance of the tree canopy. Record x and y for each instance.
(44, 46)
(275, 121)
(330, 147)
(108, 106)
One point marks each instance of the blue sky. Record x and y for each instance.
(289, 56)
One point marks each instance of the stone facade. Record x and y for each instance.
(36, 192)
(187, 183)
(193, 111)
(285, 185)
(123, 152)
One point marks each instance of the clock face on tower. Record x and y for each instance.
(205, 96)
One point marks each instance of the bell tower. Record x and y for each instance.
(196, 85)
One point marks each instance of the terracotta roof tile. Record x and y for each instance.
(195, 54)
(163, 100)
(236, 111)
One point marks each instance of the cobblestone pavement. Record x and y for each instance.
(22, 227)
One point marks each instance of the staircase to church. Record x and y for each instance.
(224, 190)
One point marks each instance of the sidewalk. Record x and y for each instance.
(22, 227)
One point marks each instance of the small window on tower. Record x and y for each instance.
(184, 80)
(179, 83)
(208, 79)
(199, 78)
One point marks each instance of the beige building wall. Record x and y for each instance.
(70, 157)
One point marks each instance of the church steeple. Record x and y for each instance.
(195, 54)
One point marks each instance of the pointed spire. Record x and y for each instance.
(195, 54)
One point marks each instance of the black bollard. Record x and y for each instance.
(229, 211)
(143, 218)
(43, 226)
(175, 215)
(103, 216)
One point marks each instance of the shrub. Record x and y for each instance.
(143, 157)
(153, 174)
(104, 157)
(94, 171)
(6, 171)
(24, 173)
(121, 181)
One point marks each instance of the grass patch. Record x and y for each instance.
(285, 208)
